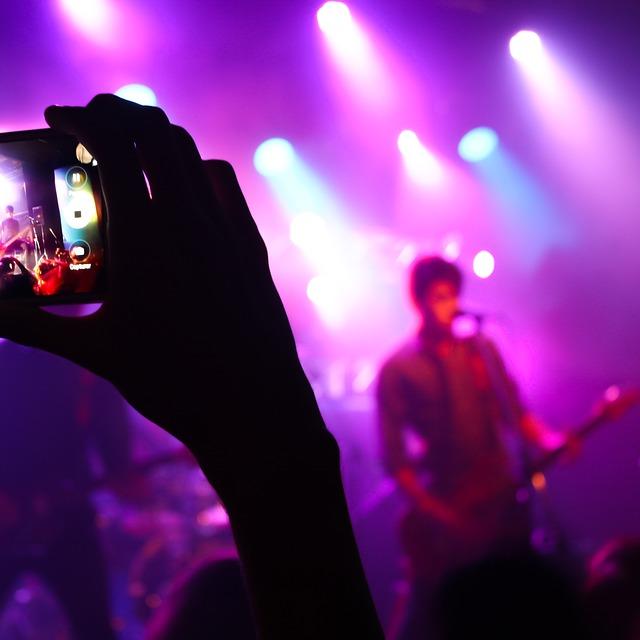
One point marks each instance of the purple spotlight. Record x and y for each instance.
(334, 18)
(484, 264)
(94, 18)
(526, 47)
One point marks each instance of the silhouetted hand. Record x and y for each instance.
(192, 332)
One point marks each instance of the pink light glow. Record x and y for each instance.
(94, 18)
(354, 53)
(422, 166)
(308, 231)
(451, 248)
(581, 130)
(324, 292)
(365, 376)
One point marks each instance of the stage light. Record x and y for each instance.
(478, 144)
(484, 264)
(451, 249)
(334, 19)
(93, 17)
(408, 142)
(138, 93)
(324, 292)
(421, 164)
(273, 157)
(308, 231)
(526, 47)
(317, 289)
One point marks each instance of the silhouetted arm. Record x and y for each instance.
(195, 337)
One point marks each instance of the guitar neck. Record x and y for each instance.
(580, 433)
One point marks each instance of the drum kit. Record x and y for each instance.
(146, 544)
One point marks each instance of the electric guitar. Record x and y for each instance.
(490, 506)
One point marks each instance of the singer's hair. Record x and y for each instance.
(9, 209)
(429, 269)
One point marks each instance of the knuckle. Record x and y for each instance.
(104, 101)
(155, 116)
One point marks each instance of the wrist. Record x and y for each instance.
(262, 471)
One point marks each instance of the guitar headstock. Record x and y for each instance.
(616, 402)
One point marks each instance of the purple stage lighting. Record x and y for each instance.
(94, 18)
(526, 47)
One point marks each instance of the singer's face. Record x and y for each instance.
(440, 304)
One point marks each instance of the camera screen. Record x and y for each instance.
(51, 220)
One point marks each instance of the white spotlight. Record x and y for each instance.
(526, 47)
(334, 18)
(484, 264)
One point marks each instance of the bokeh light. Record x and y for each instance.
(451, 248)
(526, 47)
(478, 144)
(139, 93)
(273, 157)
(484, 264)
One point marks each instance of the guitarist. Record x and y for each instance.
(445, 405)
(10, 226)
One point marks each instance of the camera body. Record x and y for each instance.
(52, 220)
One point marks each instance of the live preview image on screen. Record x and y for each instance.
(51, 220)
